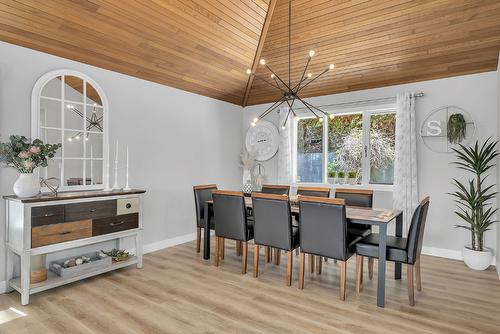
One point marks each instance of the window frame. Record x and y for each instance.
(367, 112)
(36, 128)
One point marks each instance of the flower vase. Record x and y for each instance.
(26, 185)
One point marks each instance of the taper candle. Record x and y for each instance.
(127, 187)
(115, 186)
(106, 186)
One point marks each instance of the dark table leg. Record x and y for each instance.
(399, 233)
(206, 239)
(382, 249)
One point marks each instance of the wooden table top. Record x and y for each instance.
(352, 212)
(64, 195)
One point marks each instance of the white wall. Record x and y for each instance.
(475, 93)
(177, 139)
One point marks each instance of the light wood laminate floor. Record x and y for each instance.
(178, 292)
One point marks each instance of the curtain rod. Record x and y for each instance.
(361, 102)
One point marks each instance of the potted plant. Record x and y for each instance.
(457, 128)
(341, 177)
(352, 177)
(474, 201)
(332, 173)
(25, 156)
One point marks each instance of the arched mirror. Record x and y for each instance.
(69, 108)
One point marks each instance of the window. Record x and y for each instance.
(355, 147)
(69, 109)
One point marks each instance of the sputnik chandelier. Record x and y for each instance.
(291, 93)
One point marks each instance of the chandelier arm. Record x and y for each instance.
(277, 76)
(272, 107)
(302, 77)
(316, 77)
(271, 110)
(286, 119)
(79, 113)
(278, 84)
(308, 107)
(324, 112)
(269, 83)
(289, 43)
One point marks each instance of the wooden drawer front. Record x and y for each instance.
(90, 210)
(56, 233)
(45, 215)
(115, 224)
(125, 206)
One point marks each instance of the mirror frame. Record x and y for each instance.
(35, 122)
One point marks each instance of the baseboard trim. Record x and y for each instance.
(3, 286)
(162, 244)
(447, 253)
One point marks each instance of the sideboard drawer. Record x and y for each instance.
(125, 206)
(115, 224)
(56, 233)
(90, 210)
(45, 215)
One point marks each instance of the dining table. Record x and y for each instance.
(355, 215)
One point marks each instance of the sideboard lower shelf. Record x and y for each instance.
(54, 281)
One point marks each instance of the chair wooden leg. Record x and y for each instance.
(268, 254)
(238, 248)
(359, 273)
(277, 256)
(222, 248)
(198, 239)
(256, 251)
(409, 277)
(301, 270)
(296, 251)
(244, 258)
(311, 263)
(370, 268)
(343, 279)
(216, 251)
(418, 276)
(319, 265)
(289, 268)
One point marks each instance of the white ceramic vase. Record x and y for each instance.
(477, 260)
(27, 185)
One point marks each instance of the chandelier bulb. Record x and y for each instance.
(263, 61)
(255, 120)
(69, 139)
(311, 53)
(332, 116)
(320, 119)
(283, 127)
(86, 138)
(332, 66)
(249, 71)
(253, 124)
(272, 75)
(309, 75)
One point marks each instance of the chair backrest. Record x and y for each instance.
(275, 189)
(416, 232)
(272, 220)
(202, 193)
(356, 197)
(323, 227)
(230, 215)
(314, 191)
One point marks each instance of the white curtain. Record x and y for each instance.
(405, 195)
(285, 148)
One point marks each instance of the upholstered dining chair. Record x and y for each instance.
(399, 249)
(277, 189)
(313, 191)
(323, 232)
(231, 217)
(360, 198)
(273, 228)
(202, 193)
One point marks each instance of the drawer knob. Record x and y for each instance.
(65, 232)
(128, 206)
(93, 210)
(117, 223)
(48, 215)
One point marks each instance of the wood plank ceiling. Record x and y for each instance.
(205, 46)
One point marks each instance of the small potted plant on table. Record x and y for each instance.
(474, 201)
